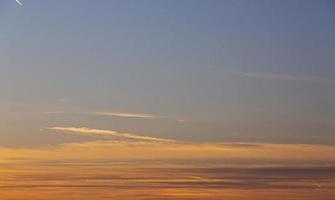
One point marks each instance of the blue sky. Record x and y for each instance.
(260, 71)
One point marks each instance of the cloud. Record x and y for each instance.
(153, 170)
(17, 1)
(137, 115)
(101, 132)
(53, 112)
(129, 115)
(178, 182)
(225, 153)
(62, 100)
(121, 115)
(287, 77)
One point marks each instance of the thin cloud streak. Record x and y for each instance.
(227, 153)
(287, 77)
(101, 132)
(53, 112)
(129, 115)
(121, 115)
(18, 2)
(137, 115)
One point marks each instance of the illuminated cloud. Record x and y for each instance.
(153, 181)
(159, 170)
(19, 2)
(130, 115)
(100, 132)
(253, 153)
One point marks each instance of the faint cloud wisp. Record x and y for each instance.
(287, 77)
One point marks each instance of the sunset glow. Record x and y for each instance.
(167, 100)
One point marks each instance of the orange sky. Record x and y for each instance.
(167, 170)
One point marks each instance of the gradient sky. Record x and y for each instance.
(231, 70)
(85, 84)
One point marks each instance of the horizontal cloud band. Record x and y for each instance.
(100, 132)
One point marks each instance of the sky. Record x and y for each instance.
(226, 97)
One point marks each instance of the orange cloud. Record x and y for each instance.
(155, 151)
(160, 170)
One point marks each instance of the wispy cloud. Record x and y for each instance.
(19, 2)
(53, 112)
(129, 115)
(62, 100)
(150, 150)
(137, 115)
(287, 77)
(101, 132)
(121, 115)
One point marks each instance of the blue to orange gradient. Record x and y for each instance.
(177, 100)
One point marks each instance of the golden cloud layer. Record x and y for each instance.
(153, 150)
(148, 170)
